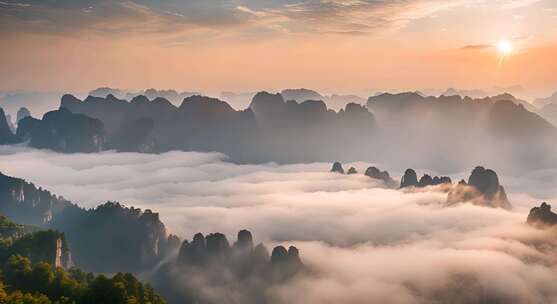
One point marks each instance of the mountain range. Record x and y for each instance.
(498, 130)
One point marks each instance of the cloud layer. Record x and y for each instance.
(363, 242)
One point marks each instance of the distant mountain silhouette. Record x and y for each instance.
(301, 95)
(542, 102)
(548, 109)
(171, 95)
(63, 131)
(447, 133)
(334, 101)
(432, 131)
(271, 129)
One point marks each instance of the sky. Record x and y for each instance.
(243, 45)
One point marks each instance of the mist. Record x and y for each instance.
(363, 241)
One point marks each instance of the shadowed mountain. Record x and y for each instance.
(6, 135)
(22, 113)
(307, 131)
(429, 131)
(271, 129)
(422, 131)
(542, 216)
(63, 131)
(113, 238)
(384, 176)
(24, 203)
(483, 188)
(109, 238)
(410, 179)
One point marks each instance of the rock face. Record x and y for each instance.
(542, 216)
(482, 188)
(109, 238)
(410, 179)
(6, 135)
(63, 131)
(10, 124)
(337, 168)
(22, 113)
(41, 246)
(24, 203)
(124, 239)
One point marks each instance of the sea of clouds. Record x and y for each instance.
(365, 243)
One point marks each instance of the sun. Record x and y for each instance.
(505, 47)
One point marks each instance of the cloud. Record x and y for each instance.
(250, 11)
(514, 4)
(2, 3)
(363, 242)
(473, 47)
(188, 17)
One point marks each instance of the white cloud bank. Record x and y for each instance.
(365, 243)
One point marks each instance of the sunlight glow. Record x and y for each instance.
(505, 47)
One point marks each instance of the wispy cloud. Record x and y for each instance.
(2, 3)
(513, 4)
(473, 47)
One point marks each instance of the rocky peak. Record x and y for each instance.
(426, 180)
(6, 135)
(140, 99)
(542, 216)
(485, 181)
(22, 113)
(218, 248)
(337, 167)
(245, 241)
(483, 189)
(279, 254)
(410, 179)
(374, 172)
(352, 170)
(266, 105)
(64, 131)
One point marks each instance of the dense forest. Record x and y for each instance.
(32, 271)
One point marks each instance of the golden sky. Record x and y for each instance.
(331, 45)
